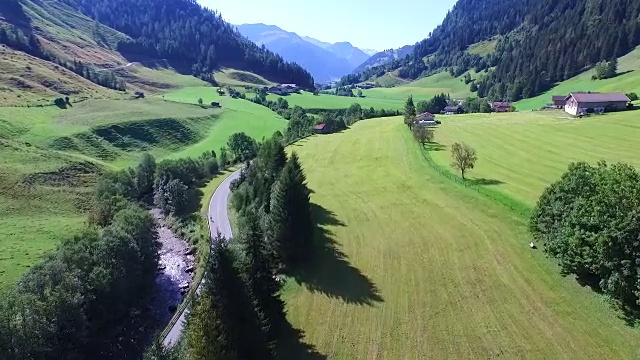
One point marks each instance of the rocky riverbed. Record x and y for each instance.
(175, 271)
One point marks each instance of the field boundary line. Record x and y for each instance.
(516, 206)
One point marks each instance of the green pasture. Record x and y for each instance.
(412, 265)
(309, 101)
(521, 153)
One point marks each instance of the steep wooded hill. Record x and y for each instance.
(87, 37)
(540, 43)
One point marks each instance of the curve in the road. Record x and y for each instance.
(218, 220)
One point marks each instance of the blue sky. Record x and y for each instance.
(371, 24)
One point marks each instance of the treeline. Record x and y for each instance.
(16, 39)
(239, 314)
(184, 32)
(590, 221)
(539, 43)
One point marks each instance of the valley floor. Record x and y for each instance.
(413, 265)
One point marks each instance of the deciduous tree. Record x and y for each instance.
(423, 134)
(464, 157)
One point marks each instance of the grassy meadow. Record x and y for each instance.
(628, 80)
(309, 101)
(411, 265)
(392, 98)
(521, 153)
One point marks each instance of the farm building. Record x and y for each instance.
(452, 110)
(322, 129)
(500, 106)
(583, 103)
(559, 101)
(425, 117)
(283, 89)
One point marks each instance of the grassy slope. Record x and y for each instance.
(425, 268)
(628, 81)
(425, 88)
(232, 77)
(26, 79)
(524, 152)
(237, 116)
(36, 210)
(483, 48)
(308, 100)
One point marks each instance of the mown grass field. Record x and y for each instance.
(627, 81)
(411, 265)
(521, 153)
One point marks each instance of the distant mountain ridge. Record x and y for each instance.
(325, 61)
(384, 57)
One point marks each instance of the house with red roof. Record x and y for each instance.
(322, 128)
(591, 102)
(500, 106)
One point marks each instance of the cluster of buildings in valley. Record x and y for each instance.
(284, 89)
(582, 103)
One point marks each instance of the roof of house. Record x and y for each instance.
(289, 85)
(424, 115)
(452, 108)
(320, 126)
(500, 104)
(559, 97)
(599, 97)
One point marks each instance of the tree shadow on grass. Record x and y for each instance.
(485, 182)
(629, 312)
(291, 345)
(329, 272)
(434, 146)
(623, 73)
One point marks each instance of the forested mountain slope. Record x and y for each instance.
(542, 42)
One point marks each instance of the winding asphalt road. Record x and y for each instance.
(218, 219)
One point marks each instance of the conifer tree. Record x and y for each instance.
(290, 224)
(259, 273)
(246, 338)
(409, 112)
(206, 337)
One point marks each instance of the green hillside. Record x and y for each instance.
(627, 81)
(409, 264)
(426, 87)
(309, 101)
